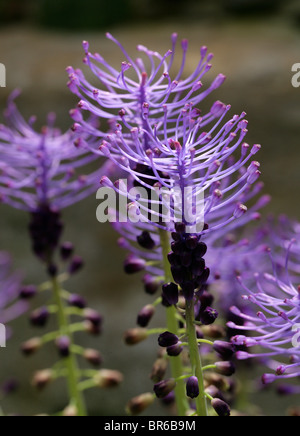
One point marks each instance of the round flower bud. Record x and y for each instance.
(167, 339)
(145, 315)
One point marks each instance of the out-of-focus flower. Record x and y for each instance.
(275, 327)
(40, 170)
(42, 173)
(10, 285)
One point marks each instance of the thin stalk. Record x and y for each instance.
(70, 362)
(195, 358)
(173, 327)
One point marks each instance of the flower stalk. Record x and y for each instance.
(195, 357)
(173, 327)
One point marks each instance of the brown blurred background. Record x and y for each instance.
(255, 43)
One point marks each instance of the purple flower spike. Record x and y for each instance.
(10, 284)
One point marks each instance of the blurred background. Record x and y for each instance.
(255, 43)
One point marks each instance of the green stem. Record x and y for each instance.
(195, 358)
(70, 362)
(173, 327)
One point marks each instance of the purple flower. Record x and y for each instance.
(40, 170)
(10, 284)
(148, 90)
(274, 325)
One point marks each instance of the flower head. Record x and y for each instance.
(180, 157)
(151, 86)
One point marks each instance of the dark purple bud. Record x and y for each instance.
(192, 387)
(214, 392)
(151, 284)
(208, 316)
(186, 259)
(163, 388)
(175, 350)
(221, 407)
(177, 247)
(198, 267)
(77, 301)
(224, 349)
(52, 270)
(174, 259)
(28, 292)
(171, 293)
(66, 250)
(206, 300)
(63, 344)
(164, 301)
(176, 236)
(201, 280)
(92, 328)
(39, 317)
(134, 265)
(169, 399)
(226, 368)
(145, 315)
(188, 290)
(179, 274)
(200, 251)
(76, 265)
(191, 242)
(93, 357)
(135, 336)
(145, 241)
(167, 339)
(180, 228)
